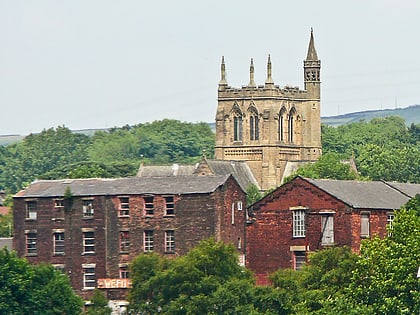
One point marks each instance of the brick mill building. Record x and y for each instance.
(306, 215)
(93, 233)
(273, 129)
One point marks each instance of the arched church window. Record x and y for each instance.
(254, 127)
(291, 125)
(237, 127)
(281, 125)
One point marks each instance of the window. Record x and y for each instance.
(253, 127)
(237, 128)
(148, 206)
(58, 243)
(233, 213)
(31, 243)
(89, 277)
(240, 205)
(169, 205)
(148, 241)
(299, 259)
(31, 210)
(281, 127)
(290, 127)
(327, 229)
(87, 208)
(298, 223)
(364, 224)
(170, 241)
(59, 203)
(389, 221)
(59, 267)
(88, 242)
(124, 210)
(124, 272)
(124, 241)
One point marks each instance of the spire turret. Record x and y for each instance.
(312, 55)
(251, 74)
(269, 80)
(223, 72)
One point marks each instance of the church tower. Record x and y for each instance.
(275, 130)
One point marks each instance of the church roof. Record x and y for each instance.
(239, 169)
(192, 184)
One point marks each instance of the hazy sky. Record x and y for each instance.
(98, 63)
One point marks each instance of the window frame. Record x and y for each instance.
(149, 205)
(124, 241)
(148, 241)
(31, 207)
(299, 259)
(327, 228)
(365, 224)
(299, 223)
(31, 243)
(88, 209)
(390, 217)
(237, 128)
(124, 206)
(86, 240)
(124, 272)
(89, 276)
(254, 132)
(169, 205)
(170, 241)
(58, 243)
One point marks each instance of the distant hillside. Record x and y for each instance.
(410, 114)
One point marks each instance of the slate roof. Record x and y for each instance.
(124, 186)
(239, 169)
(367, 194)
(409, 189)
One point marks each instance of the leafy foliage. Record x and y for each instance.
(34, 289)
(208, 280)
(99, 304)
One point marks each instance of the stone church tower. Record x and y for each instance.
(273, 129)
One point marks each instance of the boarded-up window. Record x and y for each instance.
(327, 229)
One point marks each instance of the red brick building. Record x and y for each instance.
(306, 215)
(95, 233)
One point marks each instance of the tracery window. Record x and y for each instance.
(237, 128)
(291, 125)
(254, 127)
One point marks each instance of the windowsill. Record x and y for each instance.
(88, 253)
(364, 236)
(31, 255)
(124, 216)
(87, 218)
(169, 215)
(29, 219)
(328, 244)
(88, 288)
(57, 219)
(148, 215)
(59, 254)
(303, 236)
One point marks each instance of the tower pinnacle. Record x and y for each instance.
(251, 74)
(269, 80)
(312, 55)
(223, 72)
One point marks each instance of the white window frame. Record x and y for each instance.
(169, 205)
(89, 276)
(58, 242)
(232, 214)
(170, 241)
(124, 271)
(299, 259)
(59, 203)
(87, 205)
(31, 243)
(31, 209)
(124, 241)
(240, 205)
(149, 206)
(148, 241)
(299, 222)
(124, 209)
(390, 216)
(88, 242)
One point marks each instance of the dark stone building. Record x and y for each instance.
(307, 215)
(93, 228)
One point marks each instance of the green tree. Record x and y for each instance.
(385, 278)
(99, 304)
(253, 194)
(34, 289)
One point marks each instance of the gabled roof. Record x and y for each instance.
(239, 169)
(408, 189)
(124, 186)
(366, 194)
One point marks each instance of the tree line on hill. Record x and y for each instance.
(383, 149)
